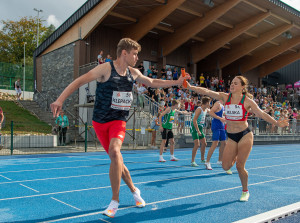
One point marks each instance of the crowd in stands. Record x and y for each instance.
(280, 104)
(277, 102)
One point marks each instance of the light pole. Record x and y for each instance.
(24, 73)
(38, 11)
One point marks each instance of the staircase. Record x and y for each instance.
(34, 108)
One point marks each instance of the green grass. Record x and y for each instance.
(24, 121)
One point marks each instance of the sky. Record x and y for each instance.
(56, 11)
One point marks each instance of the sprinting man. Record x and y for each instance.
(197, 124)
(166, 129)
(240, 138)
(113, 101)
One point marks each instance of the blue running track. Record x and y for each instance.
(76, 187)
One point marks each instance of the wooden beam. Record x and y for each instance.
(220, 22)
(172, 41)
(167, 29)
(151, 19)
(190, 11)
(198, 38)
(255, 6)
(200, 51)
(128, 18)
(125, 17)
(85, 25)
(277, 63)
(264, 55)
(251, 44)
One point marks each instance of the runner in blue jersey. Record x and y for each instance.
(218, 132)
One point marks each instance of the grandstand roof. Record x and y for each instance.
(224, 33)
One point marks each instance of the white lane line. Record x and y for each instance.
(173, 199)
(66, 204)
(145, 182)
(37, 163)
(5, 178)
(29, 188)
(273, 214)
(254, 153)
(261, 175)
(60, 168)
(104, 220)
(132, 171)
(54, 178)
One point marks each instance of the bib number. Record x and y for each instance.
(121, 100)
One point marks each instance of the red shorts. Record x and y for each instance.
(106, 131)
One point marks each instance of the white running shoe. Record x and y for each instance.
(139, 202)
(112, 209)
(161, 159)
(219, 163)
(208, 166)
(173, 158)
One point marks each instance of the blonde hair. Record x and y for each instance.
(244, 82)
(127, 44)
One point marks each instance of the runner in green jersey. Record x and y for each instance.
(166, 129)
(198, 120)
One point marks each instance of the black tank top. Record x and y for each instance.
(113, 97)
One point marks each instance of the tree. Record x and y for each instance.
(15, 33)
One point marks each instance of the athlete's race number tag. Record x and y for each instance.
(234, 112)
(121, 100)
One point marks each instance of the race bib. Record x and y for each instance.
(234, 112)
(121, 100)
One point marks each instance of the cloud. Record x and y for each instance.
(53, 20)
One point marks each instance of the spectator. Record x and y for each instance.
(175, 74)
(100, 57)
(18, 89)
(1, 121)
(154, 126)
(141, 68)
(207, 82)
(149, 71)
(141, 90)
(202, 79)
(62, 122)
(108, 58)
(169, 74)
(163, 71)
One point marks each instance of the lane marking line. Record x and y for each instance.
(29, 188)
(66, 204)
(273, 214)
(5, 177)
(173, 199)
